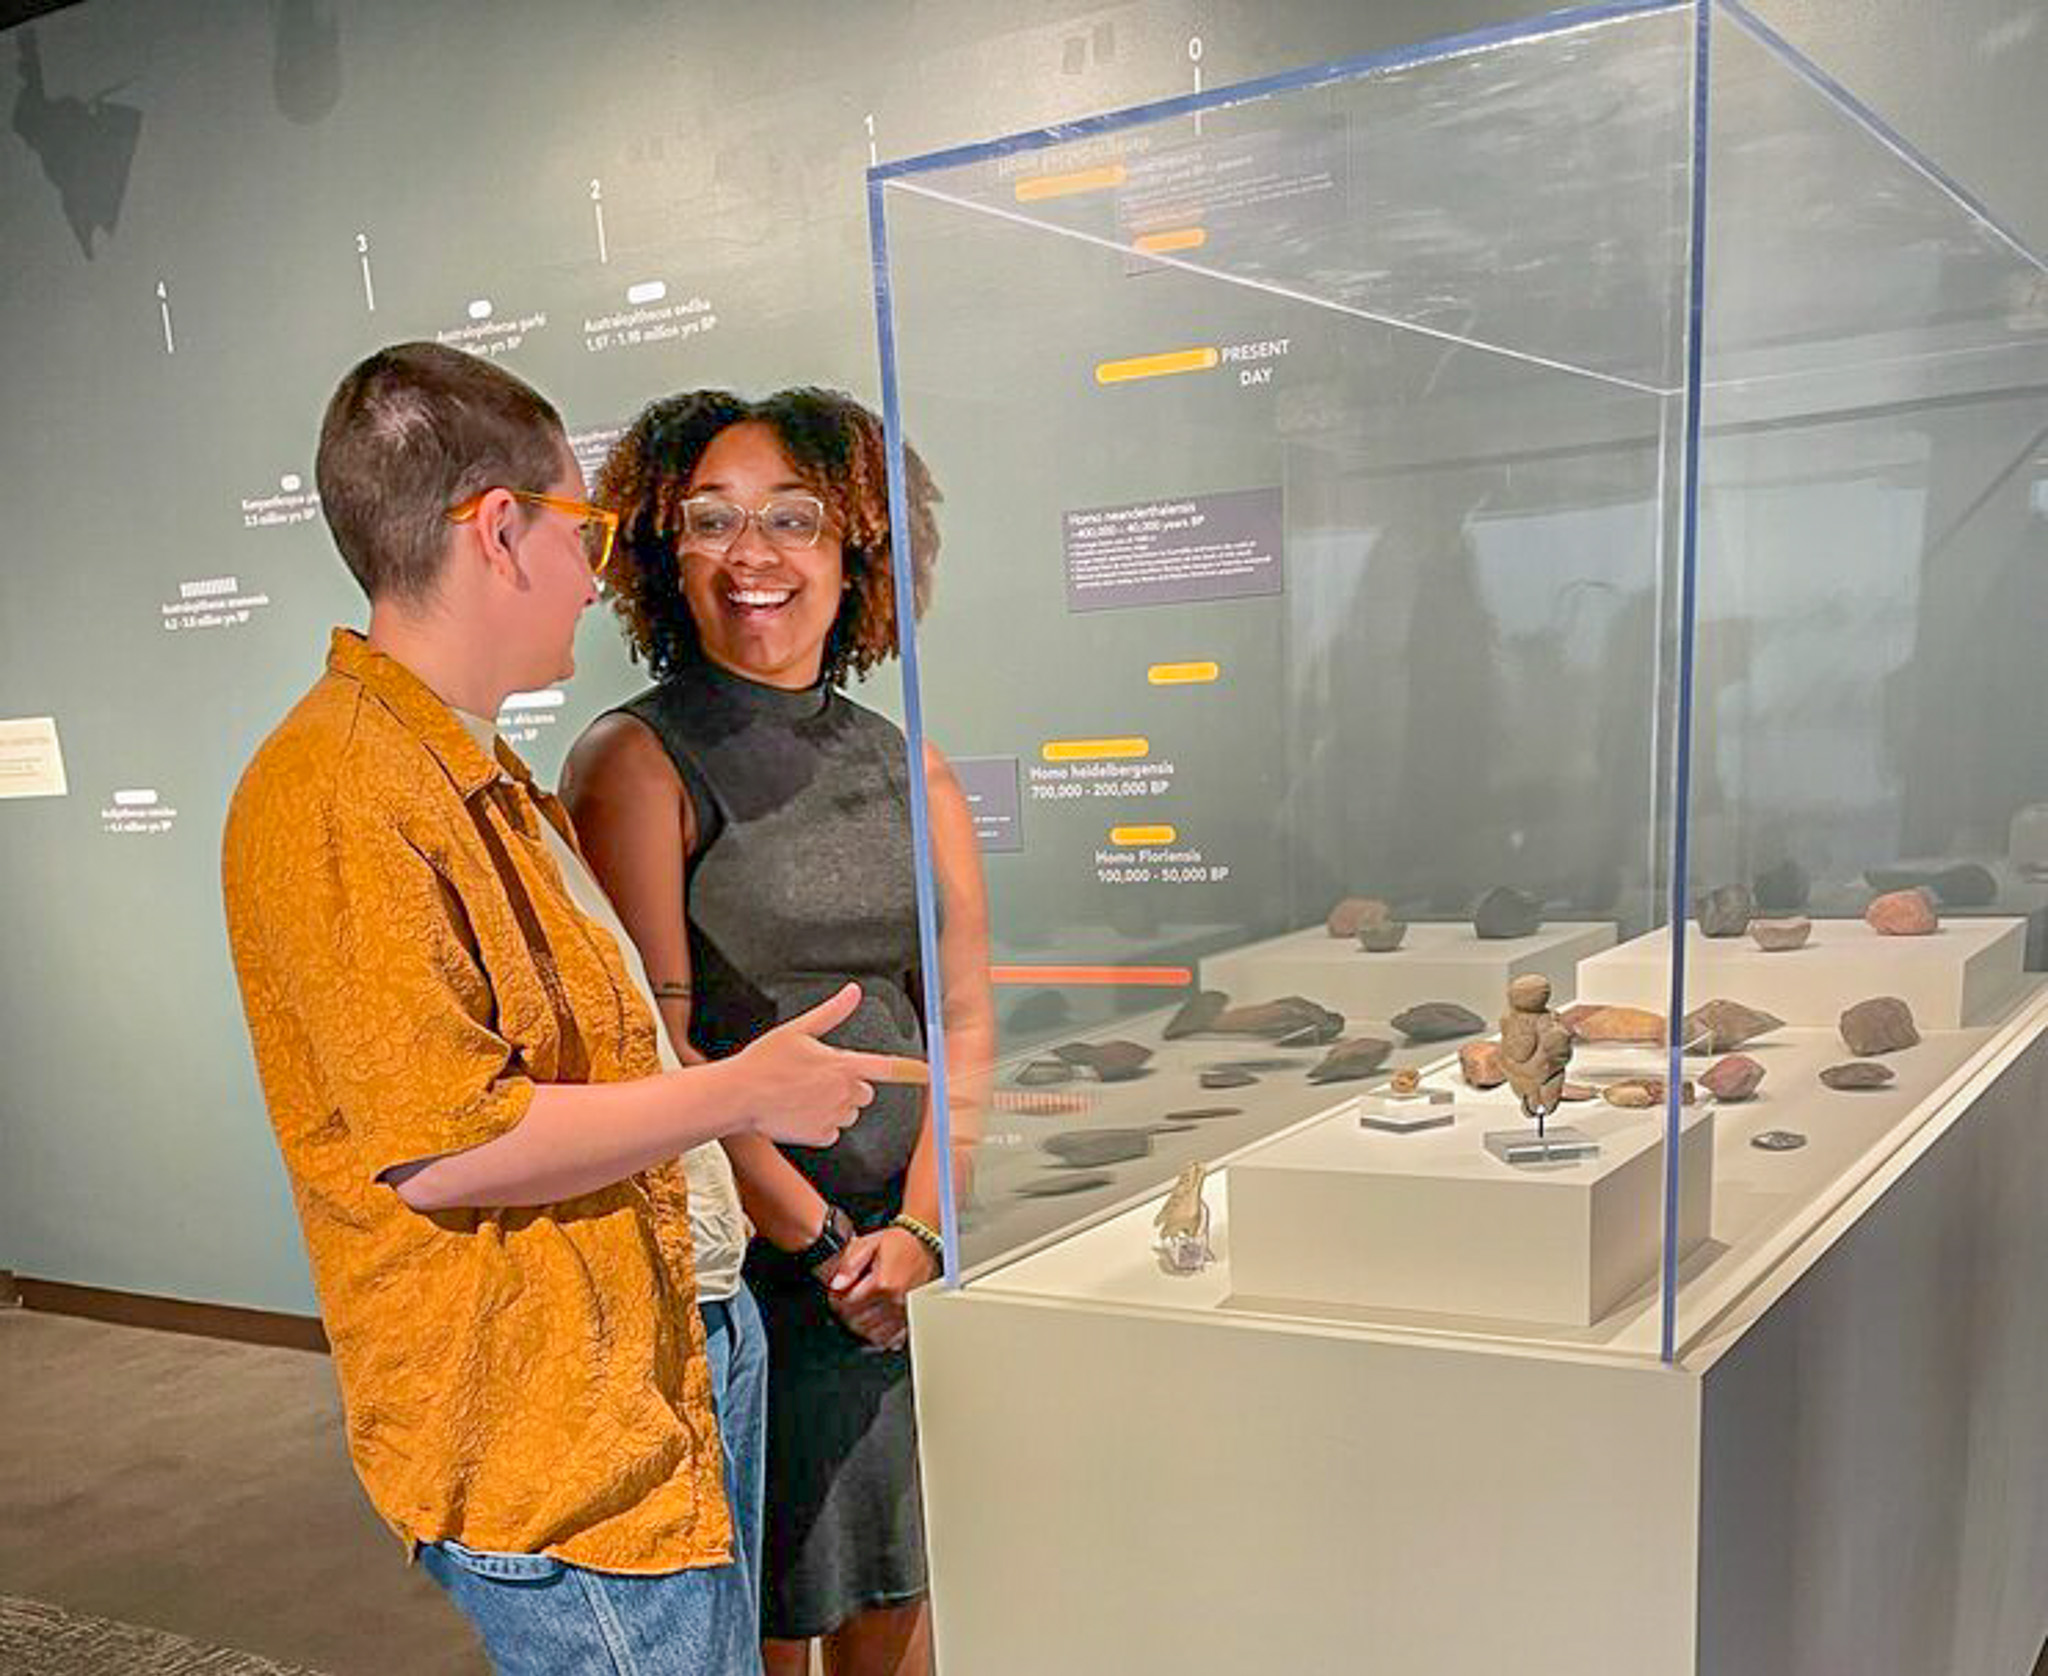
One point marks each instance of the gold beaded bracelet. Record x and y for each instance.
(924, 1236)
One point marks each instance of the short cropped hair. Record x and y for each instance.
(840, 453)
(412, 431)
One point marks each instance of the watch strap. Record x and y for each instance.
(832, 1239)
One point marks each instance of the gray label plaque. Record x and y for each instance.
(1168, 552)
(995, 800)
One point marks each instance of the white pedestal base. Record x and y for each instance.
(1408, 1114)
(1335, 1214)
(1438, 962)
(1960, 976)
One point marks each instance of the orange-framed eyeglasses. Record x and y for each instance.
(600, 525)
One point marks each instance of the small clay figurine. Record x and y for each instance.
(1535, 1048)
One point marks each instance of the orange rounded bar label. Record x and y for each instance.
(1140, 977)
(1142, 834)
(1182, 674)
(1165, 244)
(1156, 366)
(1037, 188)
(1093, 750)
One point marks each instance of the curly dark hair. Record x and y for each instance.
(839, 452)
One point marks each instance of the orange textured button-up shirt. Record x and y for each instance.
(523, 1380)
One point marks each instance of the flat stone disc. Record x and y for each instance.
(1778, 1140)
(1058, 1187)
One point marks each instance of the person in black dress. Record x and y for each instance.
(752, 824)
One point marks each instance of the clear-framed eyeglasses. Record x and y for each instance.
(788, 523)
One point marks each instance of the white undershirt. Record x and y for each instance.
(718, 1227)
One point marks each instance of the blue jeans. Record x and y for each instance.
(736, 1343)
(543, 1617)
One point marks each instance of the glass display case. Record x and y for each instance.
(1416, 529)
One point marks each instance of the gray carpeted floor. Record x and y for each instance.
(41, 1640)
(202, 1489)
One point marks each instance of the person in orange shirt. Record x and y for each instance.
(482, 1142)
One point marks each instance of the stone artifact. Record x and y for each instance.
(1044, 1073)
(1479, 1064)
(1405, 1081)
(1111, 1061)
(1351, 913)
(1194, 1014)
(1504, 912)
(1043, 1009)
(1735, 1078)
(1059, 1186)
(1883, 1024)
(1636, 1093)
(1968, 884)
(1578, 1093)
(1437, 1021)
(1858, 1073)
(1776, 936)
(1725, 912)
(1291, 1021)
(1348, 1061)
(1535, 1048)
(1202, 1114)
(1782, 889)
(1382, 936)
(1090, 1149)
(1778, 1140)
(1226, 1078)
(1724, 1026)
(1371, 920)
(1183, 1224)
(1637, 1025)
(1904, 913)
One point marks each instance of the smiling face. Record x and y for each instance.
(761, 611)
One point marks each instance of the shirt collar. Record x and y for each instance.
(462, 758)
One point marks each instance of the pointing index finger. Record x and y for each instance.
(889, 1067)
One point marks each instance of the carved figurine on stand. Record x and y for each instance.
(1183, 1224)
(1535, 1048)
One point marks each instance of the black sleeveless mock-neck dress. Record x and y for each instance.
(800, 879)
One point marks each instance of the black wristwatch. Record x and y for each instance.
(832, 1239)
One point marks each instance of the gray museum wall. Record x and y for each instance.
(206, 213)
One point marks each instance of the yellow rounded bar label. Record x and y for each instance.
(1093, 750)
(1182, 674)
(1037, 188)
(1142, 834)
(1156, 366)
(1165, 244)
